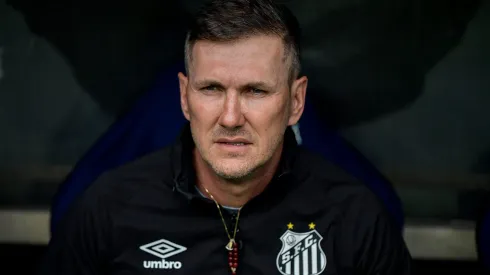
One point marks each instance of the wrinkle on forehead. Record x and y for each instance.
(258, 58)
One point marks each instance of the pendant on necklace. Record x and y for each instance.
(232, 256)
(230, 245)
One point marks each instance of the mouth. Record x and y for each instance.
(233, 142)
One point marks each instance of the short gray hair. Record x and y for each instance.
(230, 20)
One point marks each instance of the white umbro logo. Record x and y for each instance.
(163, 249)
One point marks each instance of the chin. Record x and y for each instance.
(233, 172)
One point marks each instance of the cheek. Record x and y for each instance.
(268, 118)
(204, 112)
(268, 110)
(204, 108)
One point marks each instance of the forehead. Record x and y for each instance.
(250, 59)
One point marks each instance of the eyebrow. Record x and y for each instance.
(254, 84)
(207, 83)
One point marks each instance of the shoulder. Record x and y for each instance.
(366, 229)
(335, 187)
(114, 189)
(326, 175)
(151, 168)
(84, 237)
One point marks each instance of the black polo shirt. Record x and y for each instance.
(147, 218)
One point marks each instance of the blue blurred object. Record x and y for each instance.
(156, 120)
(483, 239)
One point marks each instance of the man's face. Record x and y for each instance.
(239, 103)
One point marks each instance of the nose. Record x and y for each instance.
(232, 116)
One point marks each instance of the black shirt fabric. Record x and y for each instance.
(147, 218)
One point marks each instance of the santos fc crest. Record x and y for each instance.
(301, 253)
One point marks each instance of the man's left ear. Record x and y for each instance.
(298, 95)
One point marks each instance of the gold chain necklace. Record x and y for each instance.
(232, 246)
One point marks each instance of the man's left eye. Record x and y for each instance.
(257, 91)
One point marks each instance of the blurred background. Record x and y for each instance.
(406, 82)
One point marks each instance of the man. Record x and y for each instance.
(235, 194)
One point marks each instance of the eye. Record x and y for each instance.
(256, 91)
(210, 88)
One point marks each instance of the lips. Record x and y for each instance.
(235, 141)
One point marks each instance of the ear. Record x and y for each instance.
(183, 83)
(298, 95)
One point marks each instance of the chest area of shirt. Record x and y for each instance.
(273, 242)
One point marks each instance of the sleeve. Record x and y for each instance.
(79, 246)
(378, 243)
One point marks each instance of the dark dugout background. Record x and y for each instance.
(406, 81)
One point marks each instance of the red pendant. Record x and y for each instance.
(233, 258)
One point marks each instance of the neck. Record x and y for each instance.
(234, 193)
